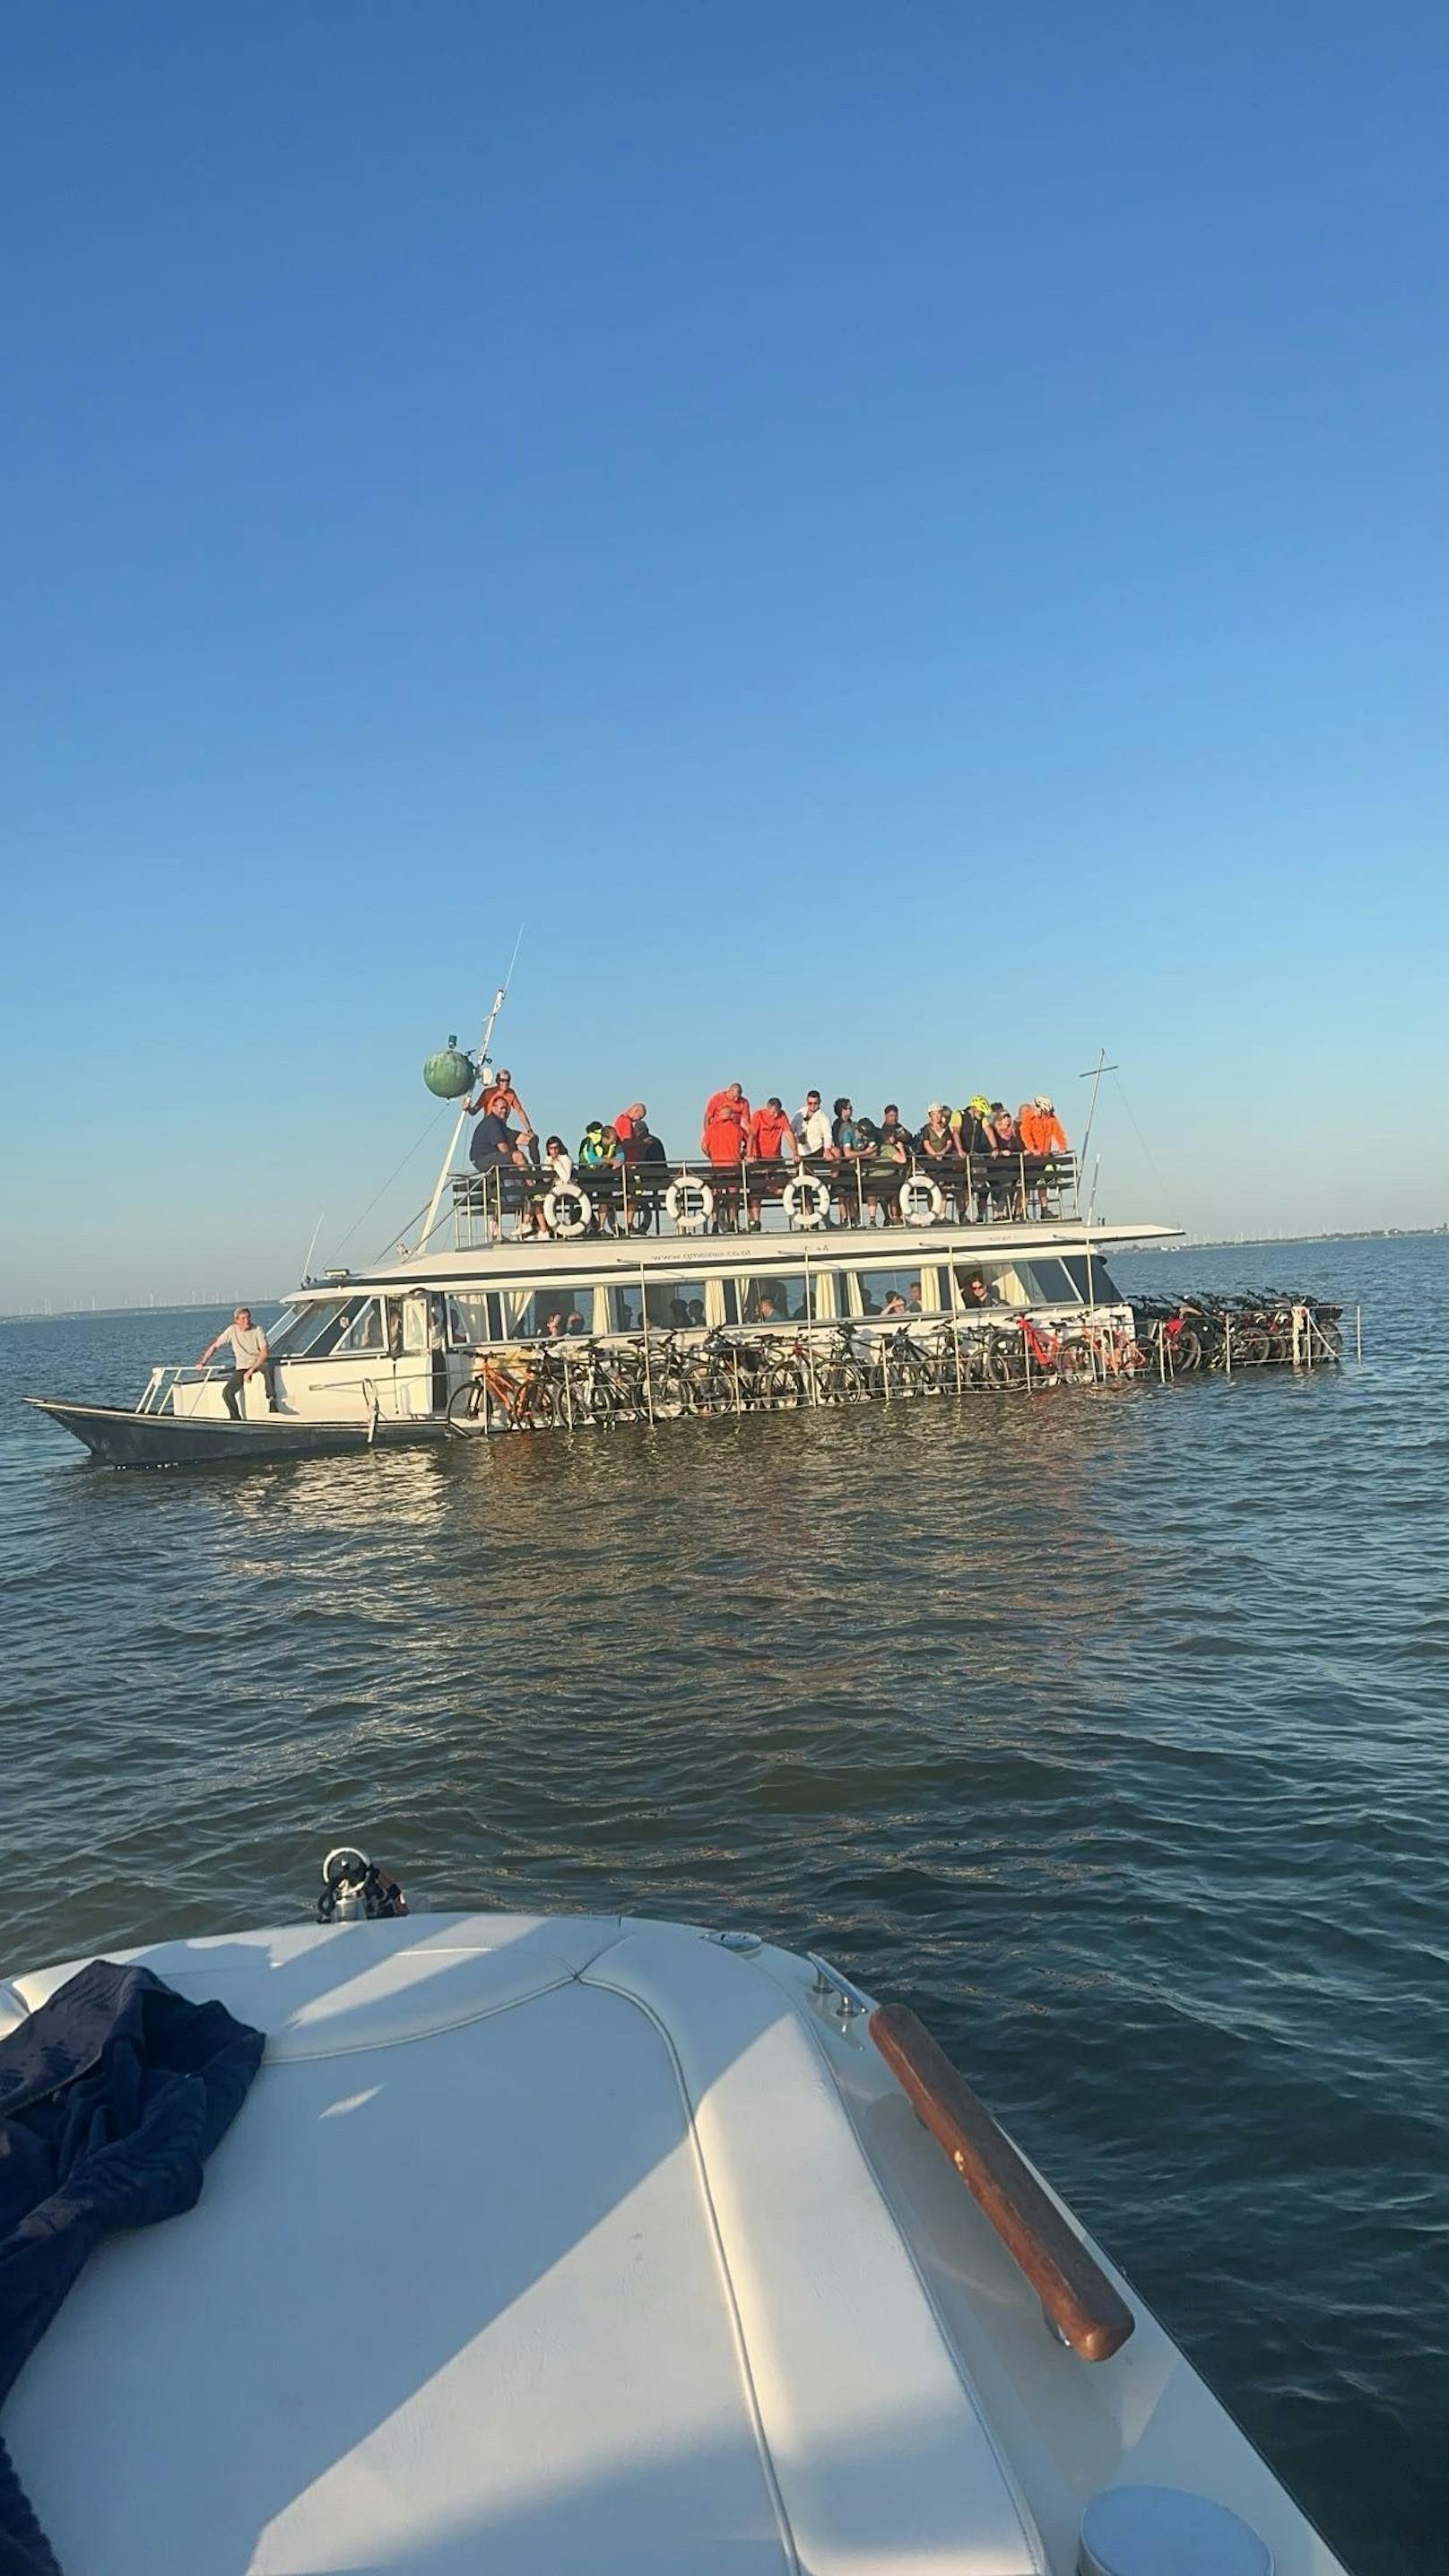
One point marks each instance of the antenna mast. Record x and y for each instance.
(1093, 1075)
(484, 1043)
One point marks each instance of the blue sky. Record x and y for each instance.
(906, 545)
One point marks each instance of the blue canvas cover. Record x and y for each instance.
(112, 2096)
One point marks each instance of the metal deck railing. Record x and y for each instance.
(696, 1198)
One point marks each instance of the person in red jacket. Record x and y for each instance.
(770, 1144)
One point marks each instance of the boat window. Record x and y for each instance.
(621, 1308)
(772, 1301)
(364, 1332)
(1046, 1281)
(909, 1291)
(314, 1330)
(829, 1294)
(1042, 1281)
(679, 1305)
(989, 1275)
(474, 1319)
(1091, 1280)
(530, 1314)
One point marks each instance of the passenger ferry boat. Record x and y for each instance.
(652, 1290)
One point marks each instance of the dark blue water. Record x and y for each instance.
(1108, 1728)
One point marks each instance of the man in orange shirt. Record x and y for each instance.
(771, 1141)
(726, 1130)
(1042, 1135)
(498, 1099)
(724, 1141)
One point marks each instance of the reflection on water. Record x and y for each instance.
(1107, 1727)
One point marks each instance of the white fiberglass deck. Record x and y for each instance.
(538, 2246)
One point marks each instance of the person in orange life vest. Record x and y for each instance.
(1042, 1134)
(498, 1099)
(771, 1141)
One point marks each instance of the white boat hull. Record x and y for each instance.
(582, 2244)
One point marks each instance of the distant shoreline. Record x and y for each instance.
(1266, 1242)
(109, 1314)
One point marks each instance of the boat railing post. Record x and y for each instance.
(1161, 1330)
(810, 1336)
(648, 1355)
(956, 1337)
(1358, 1332)
(568, 1388)
(735, 1365)
(1227, 1345)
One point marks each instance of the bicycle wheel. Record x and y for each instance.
(1076, 1363)
(1005, 1363)
(784, 1385)
(1253, 1347)
(628, 1394)
(710, 1390)
(669, 1394)
(905, 1377)
(1184, 1352)
(467, 1413)
(540, 1406)
(842, 1382)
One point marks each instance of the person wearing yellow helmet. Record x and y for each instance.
(971, 1125)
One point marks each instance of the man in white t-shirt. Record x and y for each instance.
(811, 1129)
(250, 1351)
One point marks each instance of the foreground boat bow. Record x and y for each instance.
(579, 2244)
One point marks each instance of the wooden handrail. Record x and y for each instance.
(1071, 2284)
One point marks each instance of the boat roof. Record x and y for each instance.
(541, 2244)
(625, 1256)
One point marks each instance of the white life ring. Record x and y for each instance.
(806, 1201)
(567, 1210)
(921, 1202)
(690, 1204)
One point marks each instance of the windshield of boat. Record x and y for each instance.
(310, 1332)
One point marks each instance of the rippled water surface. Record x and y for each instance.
(1108, 1728)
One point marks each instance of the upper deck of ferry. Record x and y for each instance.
(626, 1222)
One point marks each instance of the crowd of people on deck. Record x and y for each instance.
(985, 1158)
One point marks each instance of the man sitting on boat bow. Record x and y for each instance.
(250, 1351)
